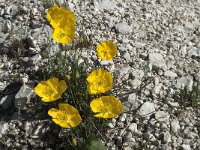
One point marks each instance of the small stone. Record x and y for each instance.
(127, 106)
(124, 71)
(123, 28)
(23, 96)
(166, 137)
(35, 59)
(119, 141)
(194, 51)
(104, 62)
(4, 127)
(52, 50)
(104, 4)
(161, 116)
(2, 86)
(183, 51)
(175, 126)
(133, 127)
(139, 44)
(157, 61)
(165, 147)
(170, 92)
(131, 98)
(192, 135)
(40, 130)
(135, 83)
(170, 74)
(7, 26)
(185, 147)
(173, 104)
(157, 88)
(164, 126)
(146, 109)
(137, 74)
(7, 101)
(189, 26)
(184, 81)
(127, 56)
(111, 125)
(187, 130)
(123, 117)
(3, 37)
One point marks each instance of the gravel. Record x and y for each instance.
(159, 54)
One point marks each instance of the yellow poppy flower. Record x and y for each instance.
(106, 107)
(51, 89)
(106, 50)
(64, 35)
(99, 81)
(59, 16)
(63, 21)
(66, 116)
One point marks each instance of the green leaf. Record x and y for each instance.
(94, 144)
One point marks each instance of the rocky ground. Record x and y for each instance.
(159, 54)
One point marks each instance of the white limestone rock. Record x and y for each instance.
(147, 109)
(161, 116)
(123, 28)
(184, 81)
(157, 60)
(175, 127)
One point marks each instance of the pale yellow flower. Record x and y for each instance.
(106, 50)
(50, 90)
(99, 81)
(106, 107)
(66, 116)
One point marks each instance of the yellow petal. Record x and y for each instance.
(40, 88)
(51, 98)
(99, 81)
(106, 107)
(68, 108)
(106, 50)
(53, 83)
(51, 89)
(62, 86)
(66, 116)
(59, 15)
(64, 35)
(96, 105)
(63, 124)
(74, 120)
(53, 112)
(105, 115)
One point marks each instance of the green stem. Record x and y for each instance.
(74, 68)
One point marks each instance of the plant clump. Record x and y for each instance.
(78, 101)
